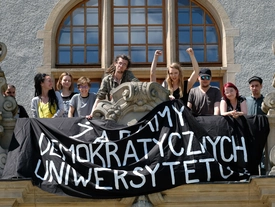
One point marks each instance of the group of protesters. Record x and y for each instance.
(201, 100)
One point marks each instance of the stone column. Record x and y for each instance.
(8, 108)
(270, 146)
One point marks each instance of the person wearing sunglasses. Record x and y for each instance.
(82, 104)
(204, 99)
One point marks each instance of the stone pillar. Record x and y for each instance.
(270, 146)
(8, 108)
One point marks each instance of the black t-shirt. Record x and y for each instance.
(176, 93)
(240, 99)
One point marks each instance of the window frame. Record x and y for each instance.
(214, 24)
(71, 45)
(149, 60)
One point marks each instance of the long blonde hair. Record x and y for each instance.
(180, 80)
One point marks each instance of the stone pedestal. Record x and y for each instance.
(8, 108)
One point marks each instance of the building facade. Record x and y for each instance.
(233, 38)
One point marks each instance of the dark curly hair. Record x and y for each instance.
(38, 79)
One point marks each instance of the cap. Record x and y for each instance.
(255, 78)
(205, 71)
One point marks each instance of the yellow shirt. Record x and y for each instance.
(44, 111)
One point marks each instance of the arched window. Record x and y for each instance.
(138, 29)
(78, 37)
(85, 45)
(197, 29)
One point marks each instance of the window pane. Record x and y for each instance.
(138, 54)
(120, 2)
(137, 3)
(199, 52)
(139, 31)
(208, 20)
(183, 55)
(92, 35)
(92, 3)
(197, 29)
(197, 16)
(184, 16)
(78, 54)
(212, 53)
(78, 16)
(120, 16)
(184, 35)
(151, 52)
(155, 35)
(137, 16)
(183, 2)
(118, 50)
(92, 16)
(92, 55)
(154, 16)
(67, 21)
(64, 37)
(80, 32)
(211, 36)
(121, 35)
(197, 35)
(64, 55)
(138, 35)
(94, 87)
(154, 2)
(78, 35)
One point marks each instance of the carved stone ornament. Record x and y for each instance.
(8, 108)
(3, 51)
(268, 104)
(131, 101)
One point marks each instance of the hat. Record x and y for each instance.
(205, 71)
(255, 78)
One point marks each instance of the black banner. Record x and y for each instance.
(167, 148)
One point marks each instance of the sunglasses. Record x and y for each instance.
(206, 77)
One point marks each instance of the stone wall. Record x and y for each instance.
(20, 22)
